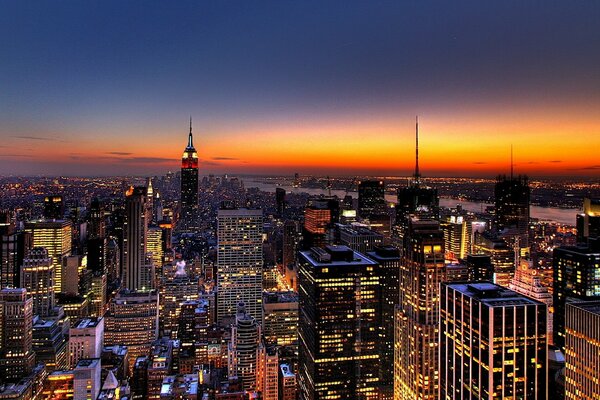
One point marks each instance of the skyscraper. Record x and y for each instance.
(138, 269)
(511, 196)
(588, 222)
(492, 344)
(576, 272)
(54, 207)
(243, 349)
(416, 199)
(16, 327)
(339, 322)
(239, 261)
(280, 201)
(582, 350)
(422, 269)
(371, 199)
(188, 219)
(388, 258)
(37, 276)
(55, 237)
(13, 248)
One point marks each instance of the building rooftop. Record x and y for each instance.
(90, 322)
(335, 256)
(589, 306)
(491, 294)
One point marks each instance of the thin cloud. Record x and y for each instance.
(147, 160)
(225, 159)
(119, 153)
(480, 162)
(47, 139)
(555, 161)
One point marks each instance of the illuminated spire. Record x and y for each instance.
(417, 175)
(190, 139)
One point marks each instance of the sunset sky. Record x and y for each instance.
(324, 87)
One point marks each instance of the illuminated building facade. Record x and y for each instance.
(188, 219)
(582, 351)
(177, 286)
(511, 196)
(86, 339)
(50, 343)
(37, 276)
(280, 318)
(422, 269)
(320, 215)
(267, 382)
(138, 269)
(527, 281)
(501, 255)
(154, 243)
(576, 278)
(243, 349)
(358, 238)
(457, 236)
(339, 322)
(239, 261)
(492, 344)
(588, 222)
(16, 327)
(388, 259)
(132, 320)
(287, 383)
(55, 236)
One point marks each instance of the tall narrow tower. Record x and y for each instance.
(188, 220)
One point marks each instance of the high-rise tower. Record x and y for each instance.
(415, 199)
(137, 269)
(188, 220)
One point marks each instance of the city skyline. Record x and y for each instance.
(111, 96)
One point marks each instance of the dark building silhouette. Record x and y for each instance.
(588, 222)
(371, 199)
(280, 201)
(511, 196)
(575, 279)
(54, 207)
(188, 219)
(388, 258)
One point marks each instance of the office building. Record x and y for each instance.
(54, 207)
(320, 215)
(86, 339)
(582, 350)
(339, 322)
(155, 246)
(138, 269)
(588, 222)
(280, 318)
(457, 236)
(576, 271)
(492, 343)
(480, 267)
(243, 349)
(511, 199)
(132, 320)
(37, 276)
(287, 383)
(188, 219)
(388, 259)
(371, 199)
(280, 201)
(422, 269)
(177, 286)
(87, 380)
(528, 282)
(239, 261)
(501, 255)
(55, 237)
(50, 342)
(16, 327)
(358, 238)
(13, 248)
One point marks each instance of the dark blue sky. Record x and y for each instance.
(74, 70)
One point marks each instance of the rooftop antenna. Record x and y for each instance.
(190, 142)
(417, 175)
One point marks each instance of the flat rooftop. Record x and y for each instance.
(491, 294)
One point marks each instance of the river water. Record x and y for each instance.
(560, 215)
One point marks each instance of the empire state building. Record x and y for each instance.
(188, 219)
